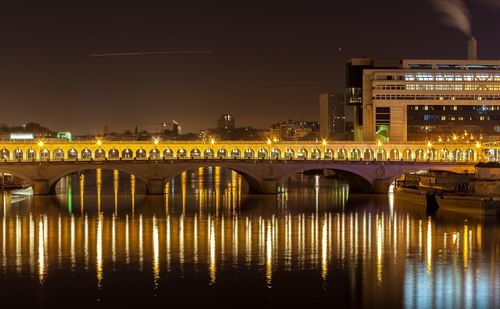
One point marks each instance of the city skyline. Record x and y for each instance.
(194, 62)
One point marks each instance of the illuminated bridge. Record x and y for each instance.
(264, 165)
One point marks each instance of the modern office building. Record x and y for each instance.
(424, 99)
(332, 117)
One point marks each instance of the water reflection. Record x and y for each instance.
(365, 251)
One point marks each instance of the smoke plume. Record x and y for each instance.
(454, 13)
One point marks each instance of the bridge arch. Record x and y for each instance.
(52, 181)
(356, 177)
(253, 180)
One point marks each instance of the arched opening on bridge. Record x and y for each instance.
(195, 153)
(420, 154)
(235, 153)
(168, 153)
(222, 153)
(208, 153)
(355, 154)
(342, 154)
(72, 153)
(316, 154)
(181, 153)
(432, 154)
(407, 155)
(140, 153)
(262, 153)
(31, 154)
(58, 154)
(302, 154)
(45, 154)
(249, 153)
(113, 154)
(127, 153)
(445, 154)
(18, 154)
(381, 154)
(328, 154)
(96, 188)
(469, 155)
(368, 154)
(394, 154)
(154, 154)
(4, 154)
(86, 154)
(457, 155)
(275, 154)
(100, 154)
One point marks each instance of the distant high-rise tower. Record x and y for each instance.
(331, 114)
(226, 122)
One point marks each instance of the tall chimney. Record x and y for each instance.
(472, 49)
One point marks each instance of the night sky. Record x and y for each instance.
(268, 60)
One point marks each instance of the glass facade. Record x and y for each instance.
(433, 121)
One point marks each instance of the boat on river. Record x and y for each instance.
(477, 194)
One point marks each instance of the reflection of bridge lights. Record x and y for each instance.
(380, 248)
(269, 256)
(41, 252)
(167, 241)
(211, 239)
(429, 245)
(72, 242)
(324, 256)
(156, 253)
(99, 251)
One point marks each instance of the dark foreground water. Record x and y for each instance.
(102, 243)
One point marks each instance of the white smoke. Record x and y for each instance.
(455, 14)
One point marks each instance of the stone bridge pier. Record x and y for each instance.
(262, 176)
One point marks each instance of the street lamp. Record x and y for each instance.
(99, 142)
(40, 145)
(212, 143)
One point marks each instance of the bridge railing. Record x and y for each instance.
(251, 150)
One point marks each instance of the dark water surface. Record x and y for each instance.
(102, 242)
